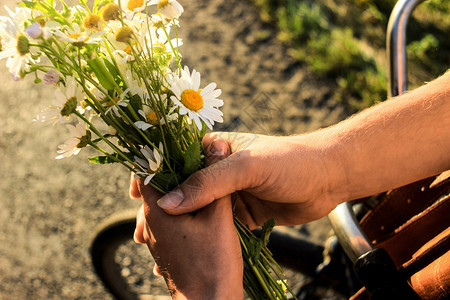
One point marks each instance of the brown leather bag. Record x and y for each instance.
(412, 224)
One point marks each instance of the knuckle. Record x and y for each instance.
(195, 185)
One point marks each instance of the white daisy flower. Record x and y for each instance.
(160, 43)
(120, 101)
(152, 162)
(123, 57)
(15, 45)
(120, 34)
(80, 139)
(170, 9)
(158, 20)
(134, 86)
(66, 101)
(151, 117)
(199, 104)
(77, 37)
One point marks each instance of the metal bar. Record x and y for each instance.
(353, 240)
(396, 46)
(349, 233)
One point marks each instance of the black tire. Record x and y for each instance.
(113, 233)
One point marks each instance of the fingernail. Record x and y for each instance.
(134, 236)
(172, 199)
(218, 148)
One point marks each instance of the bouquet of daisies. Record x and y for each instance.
(121, 89)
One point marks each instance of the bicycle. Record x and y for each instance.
(328, 272)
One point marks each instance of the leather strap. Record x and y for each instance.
(412, 224)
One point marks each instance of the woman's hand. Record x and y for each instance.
(198, 254)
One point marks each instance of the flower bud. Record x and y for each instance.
(93, 22)
(170, 9)
(51, 77)
(124, 34)
(110, 12)
(34, 31)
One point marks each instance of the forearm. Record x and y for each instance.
(392, 144)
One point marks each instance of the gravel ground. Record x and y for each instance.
(49, 209)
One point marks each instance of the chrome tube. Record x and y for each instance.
(396, 46)
(349, 233)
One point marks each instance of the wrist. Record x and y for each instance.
(325, 166)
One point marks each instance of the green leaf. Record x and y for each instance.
(258, 247)
(167, 181)
(104, 76)
(98, 3)
(192, 158)
(203, 131)
(173, 149)
(28, 4)
(102, 160)
(267, 230)
(111, 68)
(136, 102)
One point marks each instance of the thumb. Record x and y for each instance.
(206, 185)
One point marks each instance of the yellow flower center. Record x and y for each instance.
(192, 100)
(162, 4)
(128, 49)
(41, 21)
(159, 48)
(152, 118)
(76, 36)
(133, 4)
(110, 12)
(92, 22)
(124, 34)
(111, 104)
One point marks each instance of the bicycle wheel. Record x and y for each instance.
(124, 267)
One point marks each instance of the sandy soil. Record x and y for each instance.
(49, 209)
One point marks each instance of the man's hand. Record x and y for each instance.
(298, 179)
(280, 177)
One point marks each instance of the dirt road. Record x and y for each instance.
(49, 209)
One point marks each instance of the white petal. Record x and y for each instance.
(208, 89)
(143, 163)
(195, 80)
(147, 180)
(142, 125)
